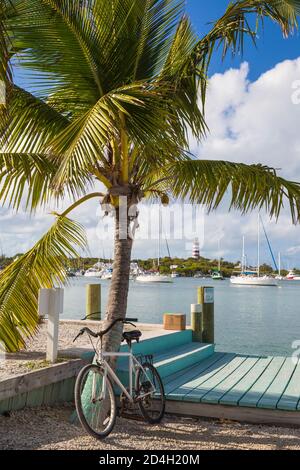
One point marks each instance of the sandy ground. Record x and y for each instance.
(49, 428)
(19, 363)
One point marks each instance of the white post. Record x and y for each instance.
(51, 304)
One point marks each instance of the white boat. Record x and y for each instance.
(93, 272)
(253, 280)
(155, 278)
(292, 276)
(107, 274)
(217, 276)
(245, 280)
(174, 275)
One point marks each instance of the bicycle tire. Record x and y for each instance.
(79, 386)
(159, 401)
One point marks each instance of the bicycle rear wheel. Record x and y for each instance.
(96, 413)
(151, 402)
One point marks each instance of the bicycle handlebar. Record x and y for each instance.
(104, 332)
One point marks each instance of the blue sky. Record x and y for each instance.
(251, 119)
(272, 48)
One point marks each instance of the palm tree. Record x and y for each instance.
(114, 91)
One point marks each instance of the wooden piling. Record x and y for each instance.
(93, 301)
(196, 322)
(206, 299)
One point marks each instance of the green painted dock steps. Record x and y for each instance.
(199, 381)
(195, 373)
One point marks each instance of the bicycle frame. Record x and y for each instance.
(134, 366)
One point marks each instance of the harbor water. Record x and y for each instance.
(252, 320)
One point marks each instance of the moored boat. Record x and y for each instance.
(244, 280)
(155, 278)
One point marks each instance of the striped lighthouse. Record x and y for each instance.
(196, 249)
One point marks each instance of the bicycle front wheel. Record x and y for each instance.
(150, 393)
(95, 401)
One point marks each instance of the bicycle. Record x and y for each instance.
(95, 397)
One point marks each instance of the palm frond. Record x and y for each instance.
(5, 69)
(247, 186)
(42, 266)
(83, 144)
(26, 165)
(185, 80)
(25, 177)
(228, 33)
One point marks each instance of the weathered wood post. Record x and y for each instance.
(206, 299)
(196, 322)
(51, 303)
(93, 301)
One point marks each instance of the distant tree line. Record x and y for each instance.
(184, 266)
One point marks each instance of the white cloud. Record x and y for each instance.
(249, 122)
(254, 123)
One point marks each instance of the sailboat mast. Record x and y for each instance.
(159, 237)
(279, 264)
(243, 256)
(258, 245)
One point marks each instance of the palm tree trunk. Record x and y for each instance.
(118, 293)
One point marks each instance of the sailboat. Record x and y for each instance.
(155, 277)
(217, 275)
(245, 279)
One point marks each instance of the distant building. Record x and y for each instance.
(196, 249)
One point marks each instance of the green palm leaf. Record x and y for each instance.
(247, 186)
(42, 266)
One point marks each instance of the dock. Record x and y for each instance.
(202, 382)
(199, 381)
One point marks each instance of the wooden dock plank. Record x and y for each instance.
(274, 392)
(215, 394)
(291, 396)
(214, 379)
(183, 376)
(233, 396)
(254, 394)
(234, 413)
(179, 393)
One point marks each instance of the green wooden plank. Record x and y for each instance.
(187, 390)
(18, 402)
(216, 393)
(233, 396)
(274, 392)
(254, 394)
(291, 396)
(177, 351)
(66, 390)
(173, 381)
(5, 405)
(35, 397)
(48, 391)
(211, 382)
(161, 343)
(55, 393)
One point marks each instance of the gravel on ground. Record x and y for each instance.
(49, 428)
(35, 353)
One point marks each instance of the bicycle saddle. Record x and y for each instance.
(133, 335)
